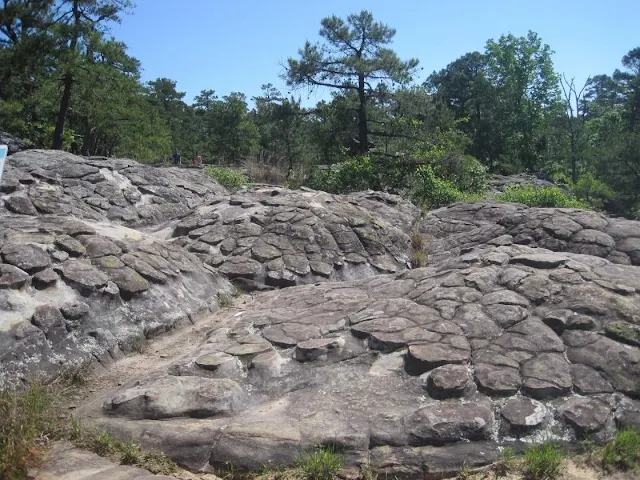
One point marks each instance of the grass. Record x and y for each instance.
(33, 416)
(139, 343)
(543, 462)
(321, 464)
(419, 255)
(418, 259)
(533, 196)
(506, 464)
(229, 178)
(225, 300)
(623, 452)
(27, 418)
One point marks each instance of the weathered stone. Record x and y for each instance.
(143, 268)
(235, 267)
(447, 381)
(12, 277)
(547, 375)
(213, 361)
(20, 204)
(422, 358)
(45, 278)
(82, 275)
(540, 260)
(74, 310)
(624, 332)
(49, 319)
(586, 415)
(449, 422)
(523, 413)
(497, 380)
(70, 245)
(313, 349)
(128, 280)
(587, 380)
(29, 258)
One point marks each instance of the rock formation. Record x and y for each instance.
(524, 325)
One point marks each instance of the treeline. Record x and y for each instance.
(66, 84)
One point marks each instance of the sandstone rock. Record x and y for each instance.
(624, 332)
(12, 277)
(70, 245)
(448, 381)
(450, 422)
(586, 415)
(45, 278)
(29, 258)
(20, 204)
(523, 413)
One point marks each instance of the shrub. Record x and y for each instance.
(228, 177)
(623, 451)
(352, 175)
(432, 192)
(25, 416)
(592, 191)
(322, 464)
(465, 172)
(533, 196)
(543, 461)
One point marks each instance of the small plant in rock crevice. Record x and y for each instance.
(543, 462)
(321, 464)
(623, 451)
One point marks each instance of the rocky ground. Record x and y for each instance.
(524, 326)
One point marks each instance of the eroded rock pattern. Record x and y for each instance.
(39, 182)
(458, 227)
(275, 237)
(414, 372)
(74, 291)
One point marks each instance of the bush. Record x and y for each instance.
(25, 416)
(543, 462)
(465, 172)
(623, 451)
(228, 177)
(355, 174)
(433, 192)
(592, 191)
(322, 464)
(539, 197)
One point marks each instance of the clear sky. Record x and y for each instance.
(238, 45)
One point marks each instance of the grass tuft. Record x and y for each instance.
(225, 300)
(506, 464)
(418, 259)
(321, 464)
(543, 462)
(623, 451)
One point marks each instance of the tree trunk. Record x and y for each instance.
(363, 131)
(65, 101)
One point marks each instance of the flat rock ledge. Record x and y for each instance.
(412, 373)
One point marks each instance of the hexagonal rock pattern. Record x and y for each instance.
(413, 371)
(275, 237)
(54, 268)
(460, 226)
(40, 182)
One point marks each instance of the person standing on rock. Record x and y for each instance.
(177, 159)
(197, 159)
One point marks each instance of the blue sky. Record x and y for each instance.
(238, 45)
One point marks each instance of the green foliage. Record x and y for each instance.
(322, 464)
(352, 175)
(431, 191)
(623, 451)
(506, 463)
(543, 462)
(532, 196)
(25, 416)
(229, 178)
(225, 300)
(465, 172)
(592, 191)
(103, 443)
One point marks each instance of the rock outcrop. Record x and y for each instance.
(273, 237)
(40, 182)
(525, 323)
(14, 143)
(414, 373)
(454, 229)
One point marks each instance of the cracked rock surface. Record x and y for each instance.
(410, 372)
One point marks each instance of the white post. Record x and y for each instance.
(4, 151)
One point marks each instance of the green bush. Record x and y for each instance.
(24, 417)
(623, 451)
(465, 172)
(323, 464)
(539, 197)
(352, 175)
(432, 192)
(228, 177)
(592, 191)
(543, 461)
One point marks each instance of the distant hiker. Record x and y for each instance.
(197, 160)
(177, 159)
